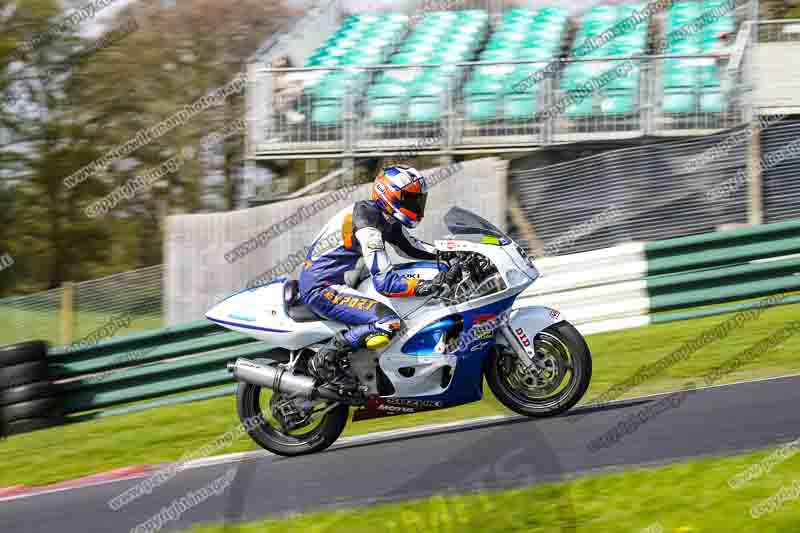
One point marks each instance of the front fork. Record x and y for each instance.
(525, 353)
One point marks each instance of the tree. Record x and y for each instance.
(52, 240)
(177, 56)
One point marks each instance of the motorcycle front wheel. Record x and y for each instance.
(264, 416)
(565, 370)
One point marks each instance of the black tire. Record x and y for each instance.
(41, 408)
(24, 352)
(24, 393)
(572, 393)
(325, 434)
(31, 424)
(22, 374)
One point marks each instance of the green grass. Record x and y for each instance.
(17, 325)
(167, 433)
(691, 497)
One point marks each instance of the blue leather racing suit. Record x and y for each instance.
(351, 243)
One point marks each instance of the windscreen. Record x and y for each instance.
(470, 227)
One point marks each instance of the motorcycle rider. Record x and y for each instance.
(360, 232)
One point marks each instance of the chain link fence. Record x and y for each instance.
(77, 311)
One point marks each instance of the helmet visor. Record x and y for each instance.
(412, 204)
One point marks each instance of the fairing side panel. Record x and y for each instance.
(260, 313)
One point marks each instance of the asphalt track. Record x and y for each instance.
(505, 453)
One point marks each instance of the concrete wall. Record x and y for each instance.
(776, 70)
(198, 275)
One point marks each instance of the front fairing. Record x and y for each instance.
(470, 232)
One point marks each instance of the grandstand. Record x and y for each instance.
(501, 78)
(628, 91)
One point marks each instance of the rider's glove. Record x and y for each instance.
(441, 284)
(432, 287)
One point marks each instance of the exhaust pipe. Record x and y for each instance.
(279, 380)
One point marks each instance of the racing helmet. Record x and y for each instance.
(401, 192)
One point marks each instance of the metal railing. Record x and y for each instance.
(770, 31)
(351, 114)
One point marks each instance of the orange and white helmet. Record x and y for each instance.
(401, 192)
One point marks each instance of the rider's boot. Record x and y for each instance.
(331, 364)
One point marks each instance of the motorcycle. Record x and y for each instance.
(534, 361)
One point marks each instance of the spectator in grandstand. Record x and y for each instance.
(331, 273)
(287, 90)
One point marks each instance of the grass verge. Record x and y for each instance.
(690, 497)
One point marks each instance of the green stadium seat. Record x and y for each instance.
(497, 44)
(520, 25)
(679, 79)
(328, 87)
(492, 73)
(446, 56)
(694, 8)
(534, 54)
(483, 86)
(367, 59)
(481, 107)
(385, 110)
(425, 48)
(618, 103)
(410, 58)
(712, 101)
(475, 14)
(684, 47)
(521, 82)
(549, 33)
(509, 36)
(516, 13)
(679, 100)
(709, 73)
(725, 24)
(630, 82)
(327, 111)
(682, 78)
(450, 70)
(581, 107)
(461, 48)
(396, 17)
(425, 109)
(520, 107)
(402, 75)
(425, 38)
(387, 90)
(504, 54)
(628, 9)
(432, 83)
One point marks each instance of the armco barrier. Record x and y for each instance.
(724, 266)
(147, 366)
(634, 284)
(615, 288)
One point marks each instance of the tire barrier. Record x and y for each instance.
(28, 399)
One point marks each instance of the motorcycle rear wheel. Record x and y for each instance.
(264, 429)
(564, 353)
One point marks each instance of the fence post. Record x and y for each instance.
(67, 315)
(755, 201)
